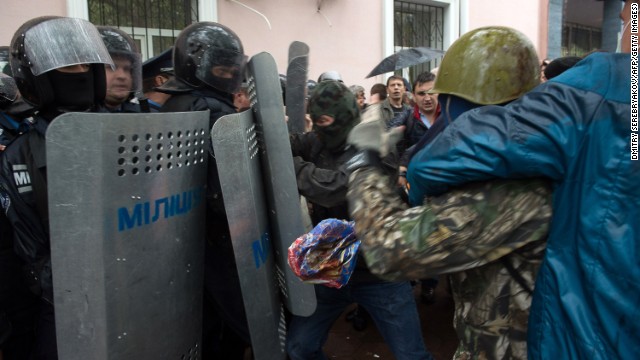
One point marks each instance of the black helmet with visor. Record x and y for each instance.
(209, 54)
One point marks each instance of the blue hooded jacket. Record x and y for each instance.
(575, 130)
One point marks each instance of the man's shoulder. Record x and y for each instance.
(385, 104)
(179, 102)
(606, 74)
(18, 147)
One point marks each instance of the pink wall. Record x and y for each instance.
(527, 16)
(16, 13)
(351, 45)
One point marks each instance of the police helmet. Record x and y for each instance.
(121, 44)
(51, 42)
(8, 91)
(330, 75)
(209, 54)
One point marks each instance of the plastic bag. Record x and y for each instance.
(327, 254)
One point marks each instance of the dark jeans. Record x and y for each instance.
(390, 304)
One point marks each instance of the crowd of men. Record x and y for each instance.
(523, 191)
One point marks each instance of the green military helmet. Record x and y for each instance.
(489, 65)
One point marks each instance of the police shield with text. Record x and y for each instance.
(209, 65)
(108, 220)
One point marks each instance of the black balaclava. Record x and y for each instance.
(72, 91)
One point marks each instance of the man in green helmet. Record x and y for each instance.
(579, 130)
(490, 237)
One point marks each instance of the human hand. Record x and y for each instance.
(371, 133)
(308, 123)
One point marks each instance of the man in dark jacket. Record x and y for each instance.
(320, 158)
(417, 121)
(17, 303)
(208, 64)
(74, 80)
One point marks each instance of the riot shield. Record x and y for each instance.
(235, 144)
(126, 204)
(253, 156)
(296, 88)
(281, 188)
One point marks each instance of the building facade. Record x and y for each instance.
(349, 36)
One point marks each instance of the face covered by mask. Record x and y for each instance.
(334, 99)
(72, 91)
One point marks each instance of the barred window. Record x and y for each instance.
(418, 25)
(578, 40)
(153, 24)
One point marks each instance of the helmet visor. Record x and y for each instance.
(63, 42)
(131, 65)
(222, 69)
(5, 68)
(8, 88)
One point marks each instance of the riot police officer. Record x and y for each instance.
(17, 304)
(58, 66)
(125, 79)
(209, 63)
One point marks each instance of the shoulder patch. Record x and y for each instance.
(21, 178)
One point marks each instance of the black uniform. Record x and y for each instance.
(18, 305)
(223, 295)
(23, 181)
(24, 198)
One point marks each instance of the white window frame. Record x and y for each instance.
(455, 19)
(207, 11)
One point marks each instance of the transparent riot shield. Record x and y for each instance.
(126, 204)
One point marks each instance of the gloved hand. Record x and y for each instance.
(371, 133)
(372, 139)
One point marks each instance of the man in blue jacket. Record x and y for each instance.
(574, 129)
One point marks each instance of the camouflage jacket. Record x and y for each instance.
(489, 236)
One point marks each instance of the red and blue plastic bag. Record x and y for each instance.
(327, 254)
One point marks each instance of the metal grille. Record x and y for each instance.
(578, 40)
(154, 24)
(418, 25)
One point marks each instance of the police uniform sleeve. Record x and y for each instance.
(30, 237)
(465, 228)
